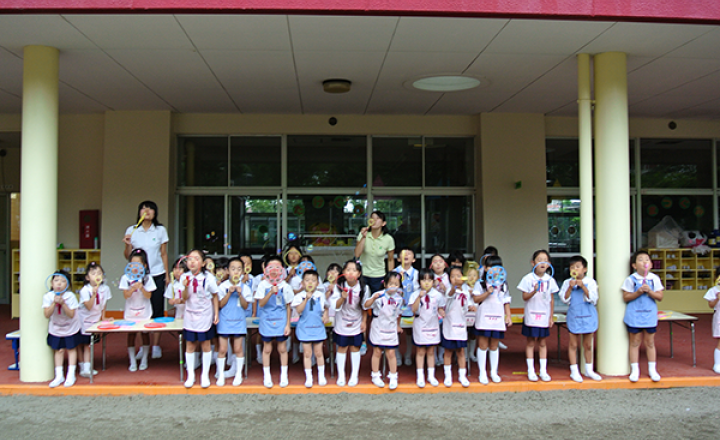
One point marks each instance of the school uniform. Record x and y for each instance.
(199, 312)
(151, 242)
(273, 316)
(410, 285)
(386, 309)
(348, 317)
(232, 320)
(442, 283)
(641, 313)
(310, 327)
(426, 325)
(710, 296)
(490, 314)
(582, 316)
(89, 317)
(63, 331)
(454, 326)
(137, 307)
(538, 312)
(175, 291)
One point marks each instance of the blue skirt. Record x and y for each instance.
(386, 347)
(535, 332)
(83, 339)
(60, 342)
(311, 342)
(348, 341)
(191, 336)
(224, 335)
(493, 334)
(449, 344)
(635, 330)
(273, 338)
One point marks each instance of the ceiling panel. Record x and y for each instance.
(17, 31)
(332, 33)
(10, 102)
(470, 102)
(644, 39)
(238, 69)
(11, 68)
(705, 46)
(72, 101)
(400, 67)
(401, 101)
(237, 32)
(272, 100)
(132, 31)
(359, 67)
(510, 72)
(421, 34)
(545, 37)
(668, 73)
(127, 98)
(187, 100)
(82, 68)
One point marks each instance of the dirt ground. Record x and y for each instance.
(688, 413)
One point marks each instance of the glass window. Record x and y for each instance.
(203, 161)
(692, 213)
(202, 223)
(327, 161)
(561, 162)
(255, 160)
(253, 224)
(448, 221)
(326, 220)
(403, 218)
(563, 224)
(449, 161)
(397, 161)
(676, 163)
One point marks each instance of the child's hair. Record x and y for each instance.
(266, 258)
(202, 253)
(456, 255)
(578, 259)
(425, 273)
(441, 257)
(152, 205)
(361, 280)
(66, 275)
(454, 268)
(332, 266)
(227, 266)
(404, 249)
(92, 265)
(181, 263)
(139, 253)
(221, 263)
(538, 252)
(491, 261)
(635, 255)
(491, 250)
(307, 258)
(381, 215)
(311, 272)
(392, 275)
(271, 258)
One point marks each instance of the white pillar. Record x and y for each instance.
(612, 198)
(38, 206)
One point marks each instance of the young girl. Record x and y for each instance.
(492, 319)
(538, 288)
(350, 320)
(713, 300)
(439, 267)
(641, 290)
(233, 297)
(93, 298)
(311, 306)
(410, 285)
(60, 305)
(331, 277)
(386, 307)
(427, 304)
(581, 293)
(274, 301)
(201, 315)
(138, 307)
(175, 289)
(454, 333)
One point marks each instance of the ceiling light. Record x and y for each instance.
(446, 83)
(336, 85)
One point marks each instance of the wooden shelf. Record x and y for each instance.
(686, 277)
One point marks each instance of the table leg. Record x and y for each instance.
(104, 352)
(180, 350)
(671, 340)
(692, 333)
(92, 356)
(558, 338)
(331, 349)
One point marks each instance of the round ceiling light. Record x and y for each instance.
(336, 85)
(446, 83)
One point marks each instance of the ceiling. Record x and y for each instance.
(276, 63)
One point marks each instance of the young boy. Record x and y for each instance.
(410, 284)
(312, 308)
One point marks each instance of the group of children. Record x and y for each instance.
(216, 298)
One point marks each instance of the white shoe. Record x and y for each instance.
(143, 365)
(190, 381)
(433, 381)
(716, 368)
(340, 380)
(70, 381)
(532, 377)
(448, 382)
(84, 372)
(57, 381)
(483, 379)
(495, 378)
(377, 380)
(393, 381)
(593, 375)
(464, 381)
(322, 381)
(634, 377)
(283, 380)
(238, 379)
(576, 377)
(502, 346)
(133, 367)
(156, 352)
(140, 353)
(353, 381)
(420, 382)
(308, 382)
(220, 380)
(205, 381)
(267, 381)
(655, 377)
(545, 377)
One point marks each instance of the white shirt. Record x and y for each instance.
(589, 283)
(138, 307)
(317, 294)
(88, 317)
(60, 324)
(282, 286)
(174, 291)
(150, 241)
(348, 317)
(199, 311)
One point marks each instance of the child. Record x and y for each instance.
(350, 320)
(221, 269)
(201, 315)
(713, 300)
(94, 297)
(439, 268)
(472, 281)
(538, 288)
(456, 259)
(409, 286)
(331, 277)
(492, 319)
(233, 299)
(292, 256)
(138, 307)
(581, 293)
(387, 307)
(312, 308)
(60, 305)
(454, 333)
(640, 291)
(175, 289)
(274, 300)
(427, 304)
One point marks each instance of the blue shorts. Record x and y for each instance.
(273, 338)
(191, 336)
(493, 334)
(60, 342)
(535, 332)
(225, 335)
(386, 347)
(312, 342)
(450, 344)
(635, 330)
(425, 345)
(348, 341)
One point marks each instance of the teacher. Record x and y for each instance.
(151, 236)
(372, 248)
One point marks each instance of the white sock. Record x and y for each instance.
(355, 364)
(308, 377)
(652, 367)
(190, 363)
(206, 362)
(494, 361)
(266, 371)
(59, 374)
(71, 370)
(321, 373)
(340, 361)
(145, 355)
(131, 355)
(574, 370)
(530, 365)
(482, 361)
(283, 370)
(717, 360)
(431, 372)
(543, 366)
(239, 366)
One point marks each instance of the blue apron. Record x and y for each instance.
(274, 315)
(310, 327)
(582, 317)
(407, 287)
(232, 317)
(642, 311)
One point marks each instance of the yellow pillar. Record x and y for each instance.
(612, 198)
(38, 206)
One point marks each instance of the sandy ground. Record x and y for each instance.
(689, 413)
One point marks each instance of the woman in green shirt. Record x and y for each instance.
(373, 244)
